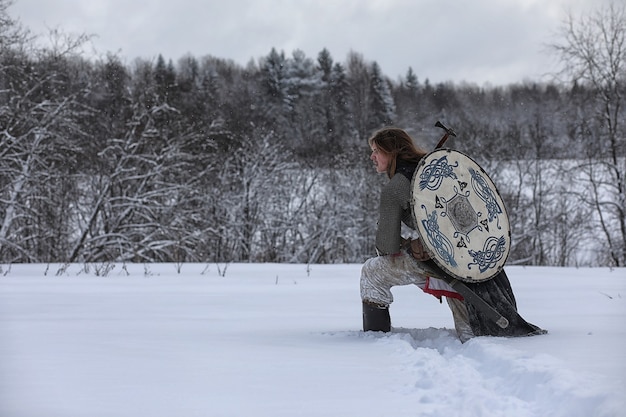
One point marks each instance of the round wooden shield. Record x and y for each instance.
(460, 216)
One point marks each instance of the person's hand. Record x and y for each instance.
(418, 251)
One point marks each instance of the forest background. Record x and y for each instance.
(205, 160)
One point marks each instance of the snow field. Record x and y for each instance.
(285, 340)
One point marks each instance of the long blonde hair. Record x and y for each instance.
(398, 144)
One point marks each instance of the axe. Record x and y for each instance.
(449, 132)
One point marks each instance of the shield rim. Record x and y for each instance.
(425, 242)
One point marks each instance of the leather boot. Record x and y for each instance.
(376, 318)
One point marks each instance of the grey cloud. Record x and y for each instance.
(478, 41)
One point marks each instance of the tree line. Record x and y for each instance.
(205, 160)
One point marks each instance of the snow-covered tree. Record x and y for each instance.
(382, 111)
(40, 145)
(594, 55)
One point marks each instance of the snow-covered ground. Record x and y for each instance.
(284, 340)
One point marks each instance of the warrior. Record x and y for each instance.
(400, 261)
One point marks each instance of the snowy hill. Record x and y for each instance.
(284, 340)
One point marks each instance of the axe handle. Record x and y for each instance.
(449, 132)
(442, 140)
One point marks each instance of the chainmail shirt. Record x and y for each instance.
(394, 209)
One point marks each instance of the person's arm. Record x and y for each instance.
(392, 200)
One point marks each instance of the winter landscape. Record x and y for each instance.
(162, 340)
(210, 218)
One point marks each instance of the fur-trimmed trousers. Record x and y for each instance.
(380, 274)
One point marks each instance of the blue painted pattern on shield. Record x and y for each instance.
(438, 240)
(492, 253)
(487, 195)
(434, 173)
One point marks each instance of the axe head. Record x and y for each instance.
(448, 130)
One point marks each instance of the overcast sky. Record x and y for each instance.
(479, 41)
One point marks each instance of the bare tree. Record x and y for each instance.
(252, 190)
(40, 104)
(594, 54)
